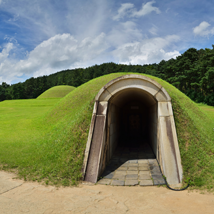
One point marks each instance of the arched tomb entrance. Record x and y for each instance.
(132, 110)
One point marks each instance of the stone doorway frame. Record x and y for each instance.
(168, 153)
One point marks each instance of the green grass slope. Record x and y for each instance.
(55, 153)
(56, 92)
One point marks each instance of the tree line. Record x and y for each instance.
(192, 72)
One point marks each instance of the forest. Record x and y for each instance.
(192, 72)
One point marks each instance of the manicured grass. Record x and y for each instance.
(21, 129)
(50, 146)
(57, 92)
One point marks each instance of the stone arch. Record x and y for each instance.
(103, 133)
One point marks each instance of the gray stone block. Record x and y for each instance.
(131, 182)
(119, 177)
(143, 168)
(117, 183)
(120, 172)
(155, 170)
(159, 182)
(158, 177)
(143, 165)
(131, 177)
(132, 168)
(133, 164)
(132, 172)
(144, 177)
(144, 172)
(146, 183)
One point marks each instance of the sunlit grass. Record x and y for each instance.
(57, 92)
(21, 129)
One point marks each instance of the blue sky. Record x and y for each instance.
(40, 37)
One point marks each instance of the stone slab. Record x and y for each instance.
(159, 182)
(117, 183)
(143, 161)
(155, 173)
(143, 165)
(132, 172)
(158, 177)
(122, 168)
(121, 173)
(144, 177)
(146, 183)
(132, 177)
(155, 170)
(144, 172)
(133, 168)
(133, 165)
(119, 177)
(143, 168)
(131, 182)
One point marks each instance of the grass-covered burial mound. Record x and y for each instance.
(45, 139)
(58, 91)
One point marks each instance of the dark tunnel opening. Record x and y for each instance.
(134, 141)
(133, 124)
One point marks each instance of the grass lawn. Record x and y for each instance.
(44, 139)
(21, 129)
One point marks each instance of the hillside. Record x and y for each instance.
(58, 152)
(58, 91)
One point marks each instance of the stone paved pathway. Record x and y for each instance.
(132, 166)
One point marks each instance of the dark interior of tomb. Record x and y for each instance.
(133, 126)
(134, 131)
(135, 122)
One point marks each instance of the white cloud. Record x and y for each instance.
(147, 51)
(57, 53)
(123, 10)
(124, 33)
(202, 29)
(128, 9)
(146, 9)
(5, 52)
